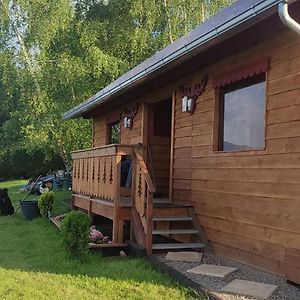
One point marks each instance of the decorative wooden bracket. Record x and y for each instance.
(129, 116)
(189, 95)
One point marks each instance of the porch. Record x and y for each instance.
(98, 189)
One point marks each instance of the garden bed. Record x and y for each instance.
(109, 249)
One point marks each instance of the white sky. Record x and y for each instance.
(244, 116)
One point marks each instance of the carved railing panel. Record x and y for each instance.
(95, 171)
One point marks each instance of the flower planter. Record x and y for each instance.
(30, 209)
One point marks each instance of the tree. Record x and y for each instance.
(54, 54)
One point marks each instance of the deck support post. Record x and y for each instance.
(134, 166)
(149, 222)
(117, 233)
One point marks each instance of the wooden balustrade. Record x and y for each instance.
(143, 198)
(96, 175)
(95, 171)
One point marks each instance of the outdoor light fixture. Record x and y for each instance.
(129, 116)
(188, 104)
(189, 95)
(127, 122)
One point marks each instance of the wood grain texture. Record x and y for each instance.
(247, 201)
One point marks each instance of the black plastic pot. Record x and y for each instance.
(30, 209)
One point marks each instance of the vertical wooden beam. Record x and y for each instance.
(90, 207)
(116, 193)
(218, 119)
(133, 193)
(93, 133)
(172, 146)
(149, 222)
(145, 130)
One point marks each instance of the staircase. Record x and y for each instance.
(176, 227)
(157, 224)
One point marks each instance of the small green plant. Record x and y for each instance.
(75, 231)
(46, 203)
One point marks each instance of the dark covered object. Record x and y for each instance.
(6, 207)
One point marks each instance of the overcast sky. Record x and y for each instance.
(244, 116)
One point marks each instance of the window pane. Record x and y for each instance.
(244, 118)
(115, 133)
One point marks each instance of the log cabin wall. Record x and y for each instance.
(128, 136)
(99, 131)
(247, 201)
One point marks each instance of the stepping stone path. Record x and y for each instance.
(250, 288)
(212, 270)
(184, 256)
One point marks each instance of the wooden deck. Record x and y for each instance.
(97, 191)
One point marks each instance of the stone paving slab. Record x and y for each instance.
(212, 270)
(250, 289)
(184, 256)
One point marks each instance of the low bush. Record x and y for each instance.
(46, 203)
(75, 231)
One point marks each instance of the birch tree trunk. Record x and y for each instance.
(168, 21)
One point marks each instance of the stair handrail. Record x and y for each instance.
(149, 199)
(144, 170)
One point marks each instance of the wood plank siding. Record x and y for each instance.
(247, 201)
(128, 136)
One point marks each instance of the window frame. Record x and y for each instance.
(110, 122)
(219, 104)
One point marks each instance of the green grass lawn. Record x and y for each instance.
(33, 265)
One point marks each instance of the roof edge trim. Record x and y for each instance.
(246, 15)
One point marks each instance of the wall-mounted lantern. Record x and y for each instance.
(127, 122)
(188, 104)
(129, 116)
(189, 95)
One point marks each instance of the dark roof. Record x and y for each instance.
(229, 21)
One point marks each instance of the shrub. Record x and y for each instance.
(75, 231)
(21, 162)
(46, 203)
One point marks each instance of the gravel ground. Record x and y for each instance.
(285, 291)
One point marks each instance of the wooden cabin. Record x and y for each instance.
(208, 130)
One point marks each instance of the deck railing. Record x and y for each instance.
(143, 189)
(96, 172)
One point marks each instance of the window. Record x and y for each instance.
(242, 115)
(114, 133)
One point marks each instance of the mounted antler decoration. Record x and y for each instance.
(189, 95)
(129, 116)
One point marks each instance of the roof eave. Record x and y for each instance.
(262, 9)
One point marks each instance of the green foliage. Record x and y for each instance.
(40, 268)
(46, 203)
(56, 54)
(25, 162)
(75, 230)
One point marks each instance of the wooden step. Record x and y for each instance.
(161, 212)
(175, 231)
(172, 218)
(168, 205)
(178, 246)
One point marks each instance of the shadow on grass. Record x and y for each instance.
(35, 246)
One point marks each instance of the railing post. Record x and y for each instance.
(133, 192)
(117, 228)
(149, 222)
